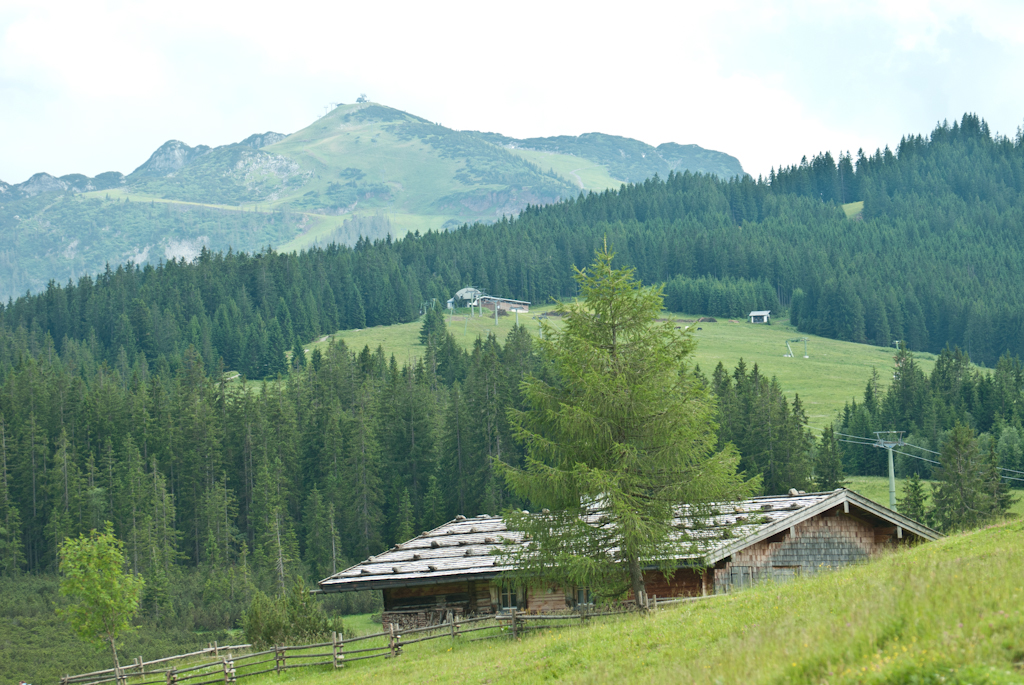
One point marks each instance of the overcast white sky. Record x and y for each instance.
(87, 87)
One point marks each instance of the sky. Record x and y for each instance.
(98, 86)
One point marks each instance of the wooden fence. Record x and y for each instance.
(236, 661)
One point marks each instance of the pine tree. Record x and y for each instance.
(322, 542)
(968, 491)
(434, 509)
(828, 467)
(12, 556)
(433, 328)
(454, 460)
(912, 502)
(298, 354)
(362, 492)
(404, 518)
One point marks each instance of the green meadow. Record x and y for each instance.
(585, 173)
(833, 374)
(950, 611)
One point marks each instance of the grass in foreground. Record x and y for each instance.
(951, 611)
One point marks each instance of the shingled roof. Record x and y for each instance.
(464, 549)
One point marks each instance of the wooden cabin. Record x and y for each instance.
(452, 569)
(760, 317)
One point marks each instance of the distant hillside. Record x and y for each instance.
(363, 169)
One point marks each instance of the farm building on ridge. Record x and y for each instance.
(760, 317)
(453, 568)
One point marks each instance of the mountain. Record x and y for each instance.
(363, 169)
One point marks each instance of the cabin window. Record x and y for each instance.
(584, 596)
(511, 598)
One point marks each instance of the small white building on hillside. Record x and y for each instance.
(760, 317)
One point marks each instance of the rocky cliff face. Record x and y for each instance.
(261, 140)
(40, 183)
(168, 159)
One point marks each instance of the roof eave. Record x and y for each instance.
(345, 585)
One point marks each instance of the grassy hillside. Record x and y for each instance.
(853, 210)
(951, 611)
(835, 372)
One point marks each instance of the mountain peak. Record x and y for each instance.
(168, 159)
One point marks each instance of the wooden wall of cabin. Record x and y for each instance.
(685, 582)
(829, 540)
(545, 599)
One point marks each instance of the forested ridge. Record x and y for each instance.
(934, 260)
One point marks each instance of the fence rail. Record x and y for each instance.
(232, 662)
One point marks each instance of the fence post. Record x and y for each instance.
(391, 639)
(277, 658)
(172, 677)
(451, 624)
(513, 623)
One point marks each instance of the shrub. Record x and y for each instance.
(294, 618)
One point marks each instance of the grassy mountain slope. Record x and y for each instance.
(359, 162)
(835, 373)
(950, 611)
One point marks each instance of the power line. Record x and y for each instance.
(930, 461)
(923, 449)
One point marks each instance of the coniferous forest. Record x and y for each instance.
(113, 403)
(930, 261)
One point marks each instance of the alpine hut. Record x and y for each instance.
(453, 568)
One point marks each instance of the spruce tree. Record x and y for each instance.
(404, 518)
(968, 492)
(433, 328)
(828, 467)
(625, 432)
(434, 513)
(298, 354)
(12, 556)
(912, 502)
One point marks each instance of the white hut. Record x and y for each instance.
(760, 317)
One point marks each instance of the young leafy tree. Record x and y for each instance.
(104, 596)
(624, 432)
